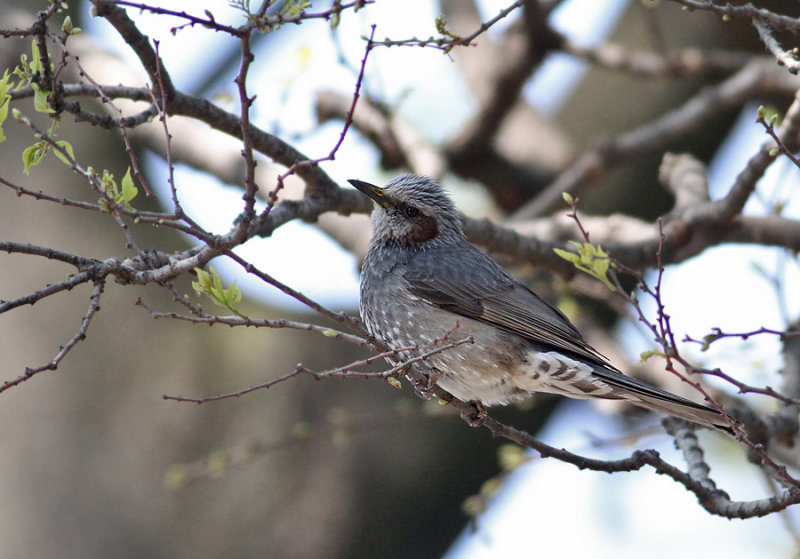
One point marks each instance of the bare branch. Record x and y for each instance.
(51, 289)
(342, 318)
(80, 335)
(138, 42)
(654, 136)
(339, 372)
(747, 11)
(784, 58)
(713, 500)
(687, 63)
(450, 40)
(204, 318)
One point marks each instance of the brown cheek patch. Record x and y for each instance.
(423, 228)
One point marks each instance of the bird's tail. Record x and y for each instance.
(653, 398)
(684, 409)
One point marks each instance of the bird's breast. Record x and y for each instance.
(480, 369)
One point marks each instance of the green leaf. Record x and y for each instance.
(40, 99)
(567, 255)
(121, 196)
(709, 339)
(109, 186)
(36, 64)
(33, 155)
(129, 190)
(211, 285)
(5, 102)
(295, 8)
(203, 283)
(645, 355)
(68, 148)
(441, 24)
(590, 259)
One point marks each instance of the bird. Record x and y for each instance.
(423, 283)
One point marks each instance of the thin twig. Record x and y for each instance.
(80, 335)
(343, 371)
(233, 320)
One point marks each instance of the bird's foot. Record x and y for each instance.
(424, 385)
(476, 416)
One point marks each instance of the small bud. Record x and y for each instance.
(302, 431)
(490, 487)
(510, 457)
(217, 464)
(177, 477)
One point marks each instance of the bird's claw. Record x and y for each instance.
(477, 415)
(424, 385)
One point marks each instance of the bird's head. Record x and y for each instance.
(411, 211)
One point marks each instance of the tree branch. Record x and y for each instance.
(655, 136)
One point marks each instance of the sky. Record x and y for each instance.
(546, 506)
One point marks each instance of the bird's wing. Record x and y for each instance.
(473, 285)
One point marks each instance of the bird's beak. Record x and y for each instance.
(374, 192)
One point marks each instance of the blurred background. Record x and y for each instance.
(95, 463)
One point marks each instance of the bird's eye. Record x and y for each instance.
(411, 211)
